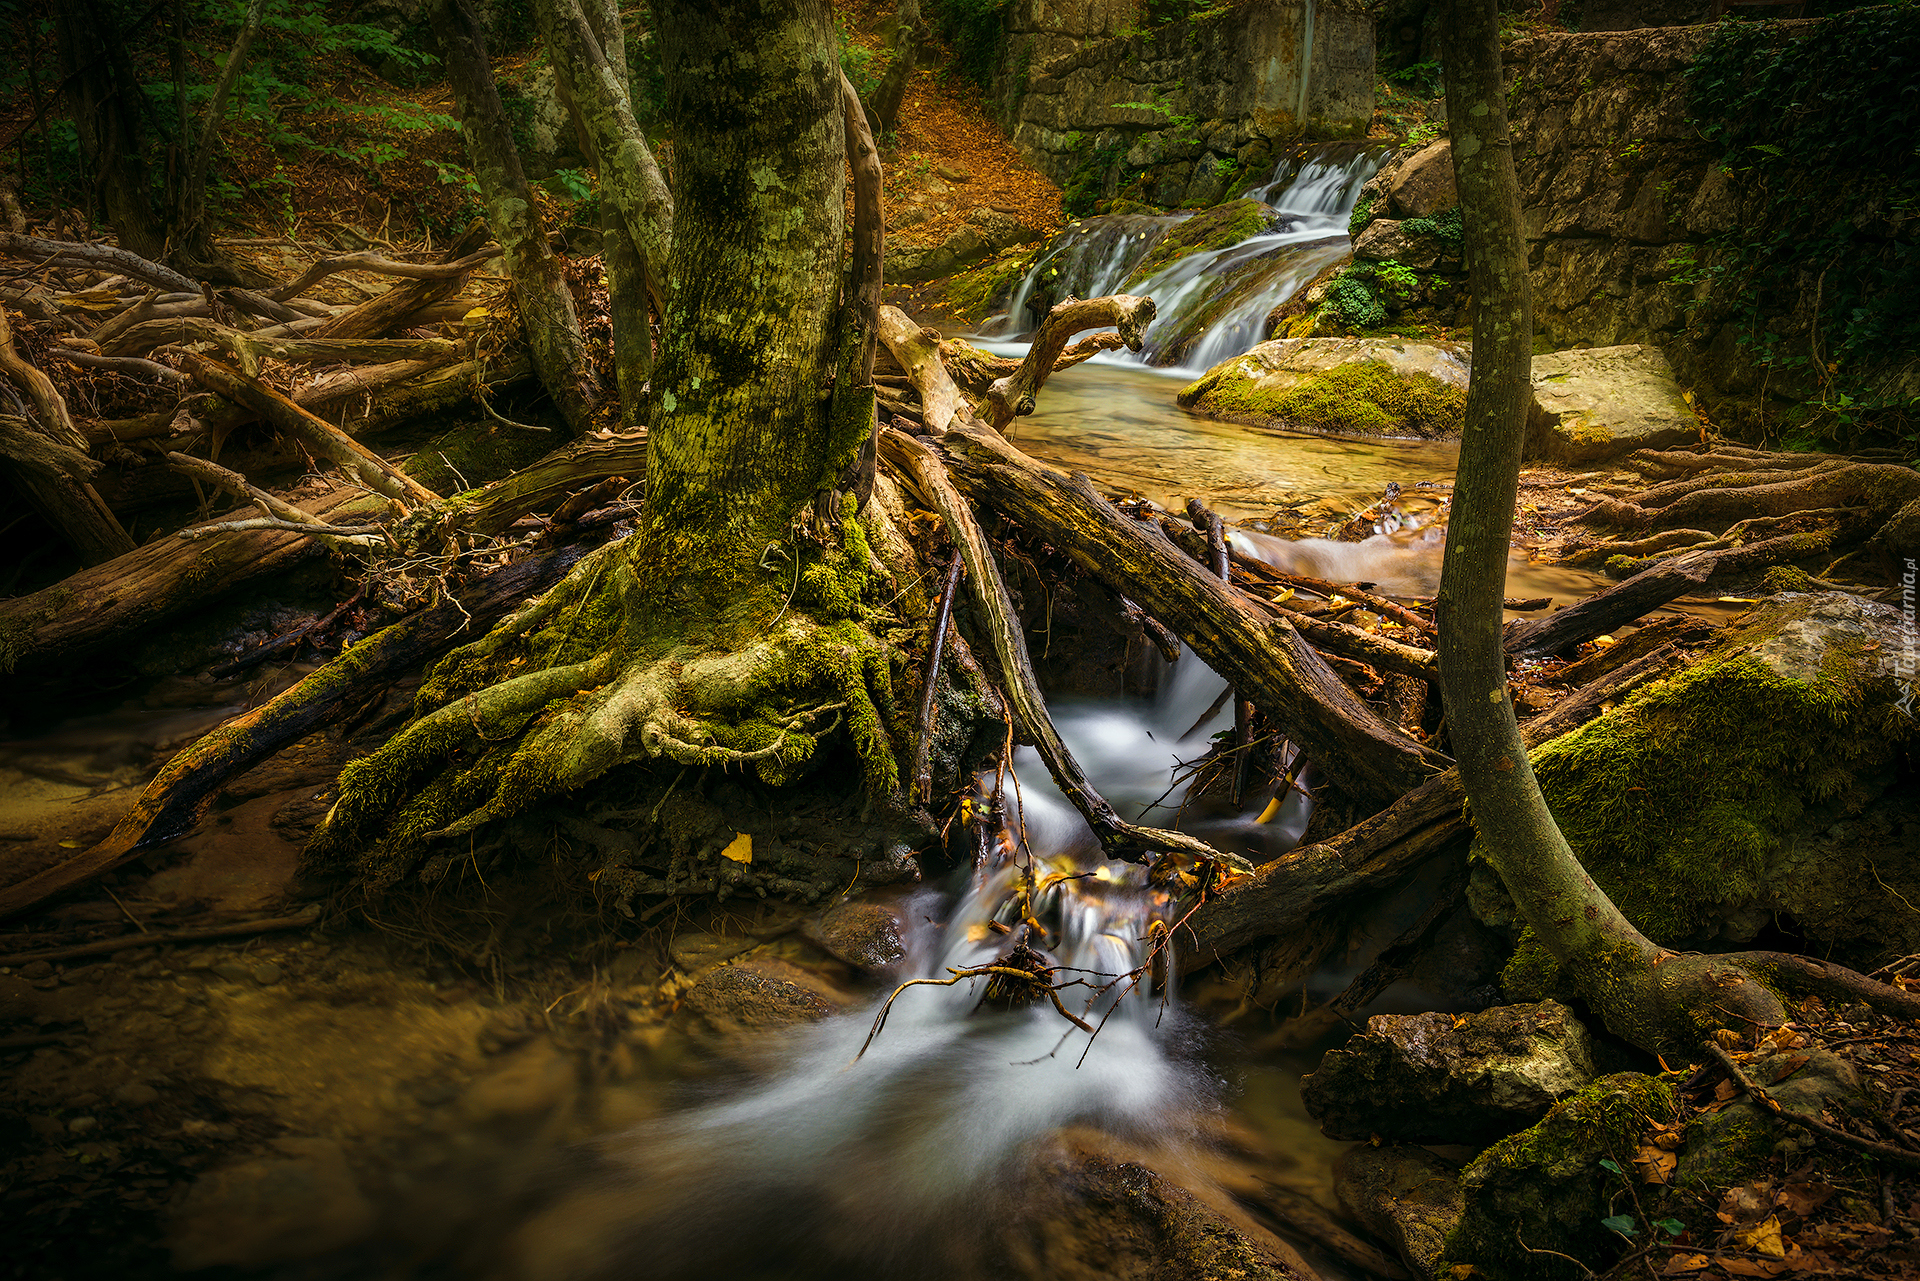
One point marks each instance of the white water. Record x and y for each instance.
(870, 1162)
(1227, 292)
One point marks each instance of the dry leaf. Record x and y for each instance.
(1802, 1199)
(1764, 1238)
(1787, 1065)
(1725, 1090)
(740, 850)
(1681, 1264)
(1654, 1164)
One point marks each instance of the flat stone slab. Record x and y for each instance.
(1596, 404)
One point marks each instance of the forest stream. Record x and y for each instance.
(357, 1040)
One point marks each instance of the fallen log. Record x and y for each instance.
(83, 614)
(322, 437)
(62, 253)
(1117, 837)
(917, 351)
(399, 305)
(176, 799)
(1259, 652)
(376, 263)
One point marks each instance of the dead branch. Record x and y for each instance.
(62, 253)
(917, 352)
(1014, 396)
(231, 929)
(378, 264)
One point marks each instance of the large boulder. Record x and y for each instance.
(1339, 387)
(1770, 780)
(1548, 1187)
(1422, 184)
(1437, 1078)
(1599, 403)
(1220, 227)
(1404, 1195)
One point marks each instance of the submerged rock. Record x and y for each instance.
(759, 992)
(271, 1210)
(1437, 1078)
(1549, 1187)
(1769, 780)
(1405, 1195)
(1595, 404)
(865, 935)
(1220, 227)
(1339, 386)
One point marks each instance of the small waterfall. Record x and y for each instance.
(912, 1149)
(1213, 304)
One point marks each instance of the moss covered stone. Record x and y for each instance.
(1220, 227)
(1351, 387)
(1546, 1189)
(1741, 790)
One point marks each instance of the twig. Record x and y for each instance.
(232, 929)
(1884, 1151)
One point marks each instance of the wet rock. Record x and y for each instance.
(136, 1094)
(530, 1082)
(298, 1204)
(266, 975)
(866, 935)
(759, 993)
(696, 953)
(34, 970)
(1546, 1186)
(1600, 403)
(81, 1124)
(1422, 185)
(1387, 238)
(1404, 1195)
(1435, 1078)
(1339, 386)
(232, 971)
(1099, 1217)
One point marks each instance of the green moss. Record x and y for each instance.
(1546, 1187)
(1353, 304)
(1445, 224)
(475, 453)
(1217, 228)
(1362, 215)
(1363, 397)
(1785, 578)
(1677, 801)
(972, 295)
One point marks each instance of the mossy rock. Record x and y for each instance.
(978, 292)
(1546, 1186)
(1220, 227)
(1762, 783)
(1340, 386)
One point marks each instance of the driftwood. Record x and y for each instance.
(1259, 652)
(61, 253)
(917, 352)
(1119, 838)
(1015, 395)
(322, 437)
(129, 942)
(147, 586)
(175, 800)
(402, 304)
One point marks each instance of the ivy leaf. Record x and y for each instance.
(1610, 1166)
(1672, 1227)
(1621, 1223)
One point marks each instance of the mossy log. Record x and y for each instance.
(1261, 654)
(177, 798)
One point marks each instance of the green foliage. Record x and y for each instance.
(1087, 183)
(1422, 78)
(1819, 122)
(1355, 305)
(1425, 132)
(862, 68)
(1362, 215)
(977, 31)
(1445, 225)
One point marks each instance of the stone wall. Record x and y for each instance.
(1181, 114)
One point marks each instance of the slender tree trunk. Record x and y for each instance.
(105, 109)
(546, 308)
(741, 436)
(883, 107)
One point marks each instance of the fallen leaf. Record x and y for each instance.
(1654, 1164)
(1752, 1267)
(1681, 1264)
(1787, 1066)
(1764, 1238)
(1802, 1199)
(1725, 1090)
(740, 849)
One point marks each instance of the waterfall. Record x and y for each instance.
(915, 1147)
(1212, 304)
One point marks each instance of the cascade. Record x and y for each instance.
(860, 1155)
(1212, 304)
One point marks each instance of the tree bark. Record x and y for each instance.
(883, 108)
(741, 437)
(546, 307)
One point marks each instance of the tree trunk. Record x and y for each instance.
(103, 99)
(546, 308)
(883, 107)
(1644, 994)
(740, 439)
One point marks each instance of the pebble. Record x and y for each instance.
(266, 975)
(136, 1094)
(232, 971)
(81, 1124)
(36, 970)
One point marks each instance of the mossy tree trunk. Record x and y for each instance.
(735, 628)
(1644, 993)
(546, 307)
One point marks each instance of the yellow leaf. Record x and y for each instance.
(1764, 1238)
(740, 850)
(1280, 598)
(70, 845)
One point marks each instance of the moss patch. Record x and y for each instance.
(1361, 398)
(1679, 802)
(1217, 228)
(1545, 1186)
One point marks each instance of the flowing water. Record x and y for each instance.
(1212, 304)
